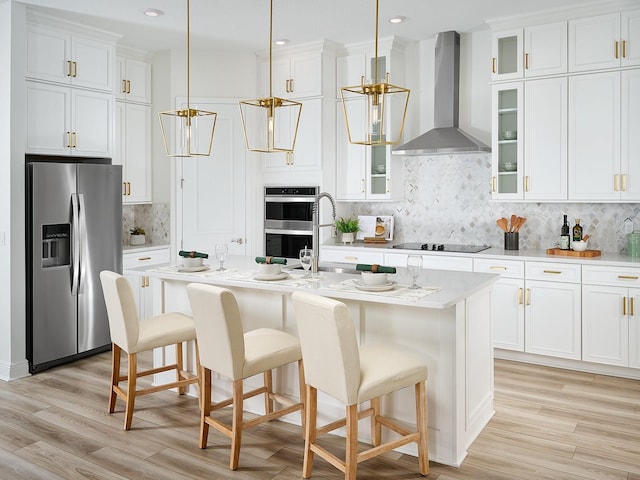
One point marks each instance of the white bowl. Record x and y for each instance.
(380, 168)
(191, 262)
(370, 278)
(510, 167)
(510, 134)
(269, 268)
(579, 246)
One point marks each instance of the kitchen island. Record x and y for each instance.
(447, 324)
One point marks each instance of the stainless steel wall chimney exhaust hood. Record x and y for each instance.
(446, 137)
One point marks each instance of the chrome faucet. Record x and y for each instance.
(316, 227)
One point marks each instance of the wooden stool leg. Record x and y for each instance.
(236, 428)
(116, 352)
(132, 377)
(198, 371)
(180, 367)
(376, 426)
(302, 388)
(311, 405)
(205, 404)
(421, 418)
(268, 396)
(351, 454)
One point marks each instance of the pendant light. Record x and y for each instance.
(375, 112)
(270, 124)
(192, 128)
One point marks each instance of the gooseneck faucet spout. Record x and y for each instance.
(316, 227)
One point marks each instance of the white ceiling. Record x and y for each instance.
(244, 24)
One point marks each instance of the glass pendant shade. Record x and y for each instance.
(188, 132)
(375, 110)
(270, 124)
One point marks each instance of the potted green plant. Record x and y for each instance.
(348, 228)
(137, 236)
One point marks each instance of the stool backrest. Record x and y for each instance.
(218, 329)
(122, 310)
(329, 346)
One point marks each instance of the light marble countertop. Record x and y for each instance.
(441, 289)
(605, 258)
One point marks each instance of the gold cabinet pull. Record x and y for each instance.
(128, 188)
(144, 259)
(526, 183)
(628, 277)
(493, 65)
(124, 86)
(74, 139)
(387, 184)
(286, 86)
(617, 45)
(528, 297)
(616, 182)
(69, 69)
(68, 139)
(554, 272)
(632, 311)
(624, 305)
(75, 69)
(129, 90)
(291, 85)
(124, 188)
(624, 182)
(624, 49)
(520, 296)
(142, 282)
(362, 184)
(493, 184)
(497, 267)
(351, 258)
(526, 61)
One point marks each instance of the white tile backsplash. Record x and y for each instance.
(153, 218)
(448, 200)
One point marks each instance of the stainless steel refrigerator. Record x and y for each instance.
(73, 232)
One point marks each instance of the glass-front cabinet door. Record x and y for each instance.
(507, 146)
(506, 49)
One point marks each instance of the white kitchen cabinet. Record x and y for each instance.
(603, 145)
(508, 161)
(67, 121)
(553, 309)
(351, 255)
(610, 322)
(142, 285)
(61, 56)
(545, 139)
(294, 76)
(134, 80)
(133, 151)
(604, 41)
(435, 261)
(507, 308)
(533, 51)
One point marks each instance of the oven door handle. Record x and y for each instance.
(287, 232)
(289, 199)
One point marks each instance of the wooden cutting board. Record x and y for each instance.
(571, 253)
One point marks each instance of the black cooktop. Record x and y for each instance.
(442, 247)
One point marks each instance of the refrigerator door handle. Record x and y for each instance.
(82, 244)
(75, 220)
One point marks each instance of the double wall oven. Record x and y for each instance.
(288, 220)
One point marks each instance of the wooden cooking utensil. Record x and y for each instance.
(502, 223)
(513, 221)
(585, 238)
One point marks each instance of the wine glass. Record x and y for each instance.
(414, 265)
(305, 260)
(221, 253)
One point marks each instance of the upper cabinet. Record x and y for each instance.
(55, 55)
(533, 51)
(133, 80)
(604, 41)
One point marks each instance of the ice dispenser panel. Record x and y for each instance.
(56, 244)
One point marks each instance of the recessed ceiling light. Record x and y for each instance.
(153, 12)
(397, 19)
(281, 41)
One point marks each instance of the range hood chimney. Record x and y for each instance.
(446, 137)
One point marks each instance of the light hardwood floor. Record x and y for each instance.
(549, 424)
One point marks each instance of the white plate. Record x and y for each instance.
(374, 288)
(279, 276)
(200, 268)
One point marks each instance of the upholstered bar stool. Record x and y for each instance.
(226, 350)
(335, 365)
(132, 336)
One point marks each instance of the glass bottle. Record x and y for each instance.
(564, 235)
(577, 231)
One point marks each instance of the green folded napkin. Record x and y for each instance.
(363, 267)
(280, 260)
(193, 254)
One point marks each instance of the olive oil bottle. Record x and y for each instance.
(577, 231)
(564, 235)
